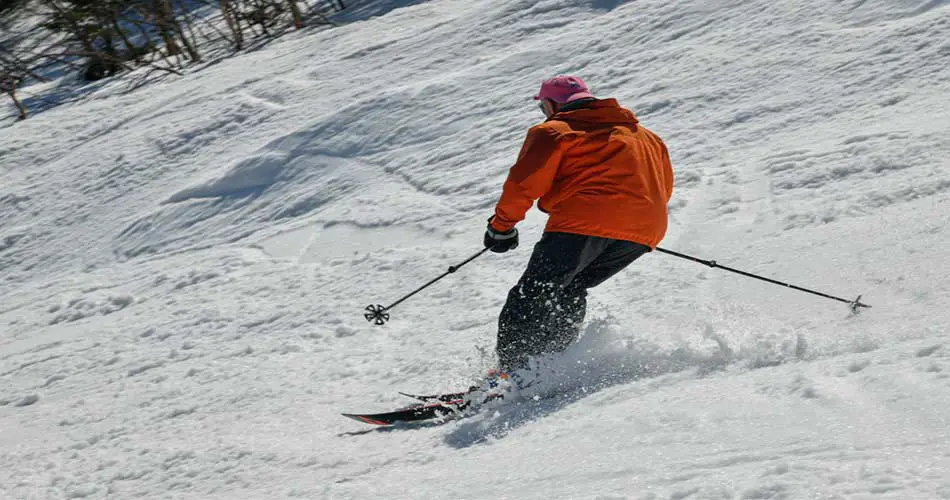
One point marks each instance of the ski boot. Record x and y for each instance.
(496, 385)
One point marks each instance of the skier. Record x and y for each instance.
(605, 181)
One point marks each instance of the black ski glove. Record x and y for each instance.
(500, 242)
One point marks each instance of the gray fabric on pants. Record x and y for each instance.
(545, 310)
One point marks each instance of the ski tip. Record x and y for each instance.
(366, 419)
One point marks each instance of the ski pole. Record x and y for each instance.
(378, 313)
(854, 304)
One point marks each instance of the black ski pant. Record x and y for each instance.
(545, 310)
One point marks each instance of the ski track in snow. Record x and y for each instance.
(184, 267)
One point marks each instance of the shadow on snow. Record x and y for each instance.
(366, 9)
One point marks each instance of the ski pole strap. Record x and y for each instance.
(378, 313)
(855, 304)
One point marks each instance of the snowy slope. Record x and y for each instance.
(184, 267)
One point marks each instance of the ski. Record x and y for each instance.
(418, 413)
(433, 407)
(451, 396)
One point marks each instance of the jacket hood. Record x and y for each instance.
(602, 112)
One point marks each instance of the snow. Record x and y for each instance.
(184, 266)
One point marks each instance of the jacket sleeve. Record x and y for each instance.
(530, 178)
(669, 172)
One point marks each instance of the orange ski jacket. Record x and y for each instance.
(597, 172)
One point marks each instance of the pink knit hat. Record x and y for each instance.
(562, 89)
